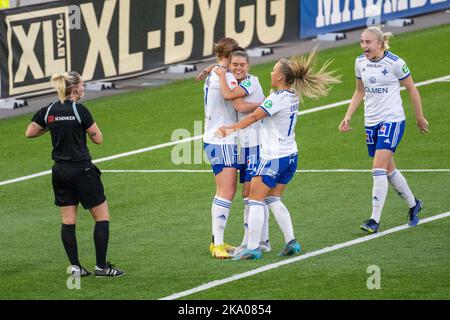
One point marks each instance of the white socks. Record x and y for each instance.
(398, 182)
(265, 228)
(255, 223)
(379, 192)
(282, 217)
(246, 211)
(220, 212)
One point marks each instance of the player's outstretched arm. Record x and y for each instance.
(241, 106)
(204, 73)
(253, 117)
(227, 92)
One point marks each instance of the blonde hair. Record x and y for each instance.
(299, 72)
(381, 36)
(224, 47)
(64, 83)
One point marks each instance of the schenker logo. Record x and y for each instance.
(65, 118)
(38, 46)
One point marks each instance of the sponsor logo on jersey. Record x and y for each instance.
(51, 119)
(376, 90)
(405, 69)
(65, 118)
(372, 80)
(373, 65)
(268, 104)
(247, 83)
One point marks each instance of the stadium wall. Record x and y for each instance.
(112, 39)
(323, 16)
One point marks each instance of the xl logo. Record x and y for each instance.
(45, 29)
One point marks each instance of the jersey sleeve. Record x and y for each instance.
(357, 71)
(401, 69)
(271, 105)
(249, 85)
(39, 117)
(231, 80)
(86, 117)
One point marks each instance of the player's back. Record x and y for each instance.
(278, 128)
(218, 111)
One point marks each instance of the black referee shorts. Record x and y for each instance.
(72, 185)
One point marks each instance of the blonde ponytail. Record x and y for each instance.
(381, 36)
(59, 82)
(386, 37)
(299, 73)
(64, 83)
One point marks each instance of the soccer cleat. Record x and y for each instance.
(413, 213)
(249, 254)
(239, 249)
(108, 271)
(219, 252)
(265, 246)
(229, 248)
(291, 248)
(370, 226)
(78, 271)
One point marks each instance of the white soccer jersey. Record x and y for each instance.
(218, 112)
(249, 137)
(278, 128)
(381, 79)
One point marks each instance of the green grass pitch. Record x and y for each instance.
(160, 228)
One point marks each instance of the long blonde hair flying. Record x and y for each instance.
(299, 72)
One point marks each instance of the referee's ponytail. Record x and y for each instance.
(64, 83)
(299, 72)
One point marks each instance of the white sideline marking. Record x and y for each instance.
(335, 247)
(299, 171)
(159, 146)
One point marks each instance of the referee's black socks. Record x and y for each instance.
(101, 236)
(69, 241)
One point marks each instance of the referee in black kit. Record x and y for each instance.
(75, 178)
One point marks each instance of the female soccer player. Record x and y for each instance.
(278, 161)
(222, 153)
(379, 74)
(75, 178)
(246, 98)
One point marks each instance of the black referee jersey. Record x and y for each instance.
(67, 123)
